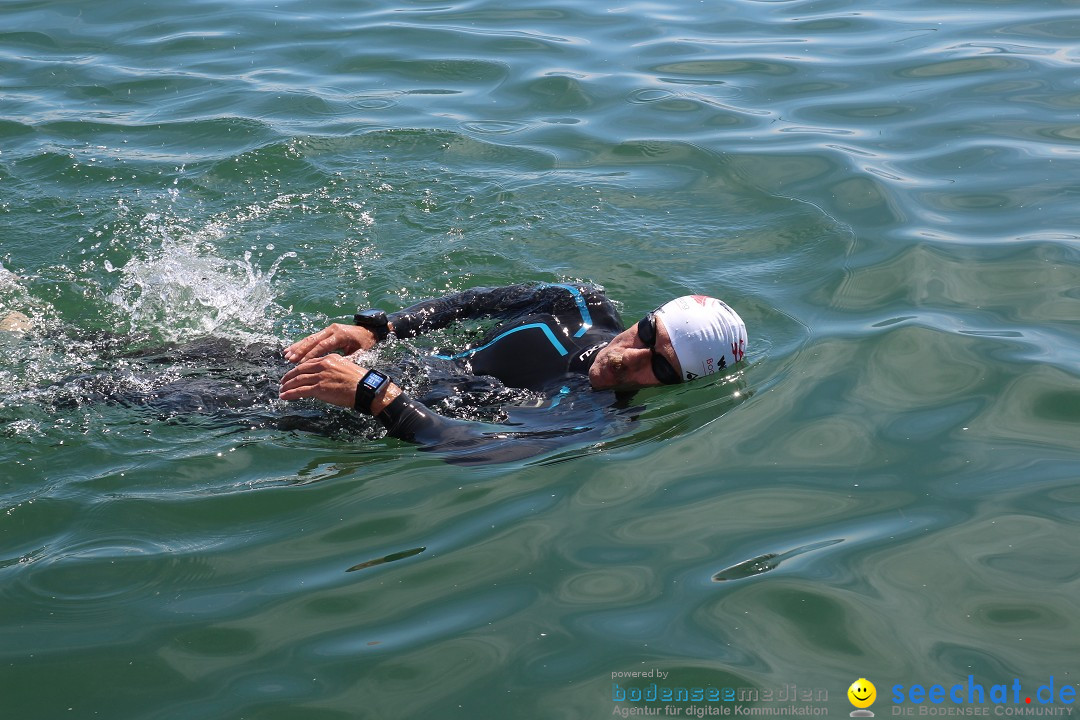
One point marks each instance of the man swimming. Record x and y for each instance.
(551, 337)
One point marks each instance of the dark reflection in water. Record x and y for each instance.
(766, 562)
(388, 558)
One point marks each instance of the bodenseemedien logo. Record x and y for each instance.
(862, 694)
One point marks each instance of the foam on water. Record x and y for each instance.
(184, 289)
(8, 279)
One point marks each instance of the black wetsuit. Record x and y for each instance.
(526, 378)
(547, 339)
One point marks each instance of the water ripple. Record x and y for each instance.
(885, 193)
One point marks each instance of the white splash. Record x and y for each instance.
(184, 290)
(8, 280)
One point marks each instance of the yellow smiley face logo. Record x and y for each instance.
(862, 693)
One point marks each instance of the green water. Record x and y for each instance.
(886, 192)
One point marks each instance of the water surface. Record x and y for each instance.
(886, 193)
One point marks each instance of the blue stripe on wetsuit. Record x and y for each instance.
(586, 323)
(586, 318)
(547, 331)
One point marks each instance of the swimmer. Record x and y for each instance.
(551, 337)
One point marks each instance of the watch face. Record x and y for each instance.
(374, 381)
(371, 317)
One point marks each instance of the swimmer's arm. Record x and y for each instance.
(410, 322)
(410, 420)
(470, 304)
(504, 302)
(460, 442)
(334, 379)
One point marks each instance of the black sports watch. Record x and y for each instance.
(370, 386)
(375, 321)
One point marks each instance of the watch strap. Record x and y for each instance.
(374, 320)
(370, 386)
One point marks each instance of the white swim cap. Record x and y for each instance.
(705, 333)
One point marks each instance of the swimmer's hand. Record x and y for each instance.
(332, 379)
(347, 338)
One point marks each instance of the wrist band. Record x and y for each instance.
(370, 386)
(375, 321)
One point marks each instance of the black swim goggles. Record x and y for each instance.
(646, 332)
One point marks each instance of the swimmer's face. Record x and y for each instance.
(626, 362)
